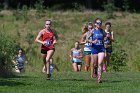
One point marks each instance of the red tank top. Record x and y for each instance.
(48, 38)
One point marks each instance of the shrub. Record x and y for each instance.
(118, 58)
(7, 47)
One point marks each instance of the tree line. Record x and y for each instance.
(131, 5)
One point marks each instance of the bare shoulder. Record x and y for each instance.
(72, 49)
(84, 35)
(41, 31)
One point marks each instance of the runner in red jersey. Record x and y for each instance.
(47, 38)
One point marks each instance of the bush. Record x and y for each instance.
(118, 58)
(7, 47)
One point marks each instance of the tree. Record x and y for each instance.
(89, 4)
(6, 4)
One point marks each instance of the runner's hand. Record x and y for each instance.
(95, 41)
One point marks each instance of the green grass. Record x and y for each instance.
(70, 82)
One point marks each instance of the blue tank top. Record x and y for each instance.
(99, 35)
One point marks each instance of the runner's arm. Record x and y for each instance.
(83, 39)
(71, 54)
(112, 36)
(38, 38)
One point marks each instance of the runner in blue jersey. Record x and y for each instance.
(98, 47)
(87, 33)
(109, 38)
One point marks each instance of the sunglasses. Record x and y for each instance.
(48, 24)
(99, 23)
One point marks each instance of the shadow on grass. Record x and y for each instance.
(11, 83)
(15, 80)
(115, 81)
(21, 76)
(72, 79)
(18, 76)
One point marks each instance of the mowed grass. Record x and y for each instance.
(71, 82)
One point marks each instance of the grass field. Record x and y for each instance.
(70, 82)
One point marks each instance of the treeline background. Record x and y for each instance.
(120, 5)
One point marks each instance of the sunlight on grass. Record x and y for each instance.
(71, 82)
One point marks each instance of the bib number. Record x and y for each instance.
(48, 42)
(100, 42)
(106, 42)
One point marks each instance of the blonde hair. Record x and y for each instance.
(85, 28)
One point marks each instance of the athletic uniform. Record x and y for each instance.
(20, 61)
(99, 45)
(87, 48)
(48, 38)
(76, 52)
(108, 42)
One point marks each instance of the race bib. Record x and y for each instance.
(100, 42)
(106, 42)
(48, 42)
(88, 45)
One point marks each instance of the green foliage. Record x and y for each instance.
(39, 8)
(7, 47)
(109, 8)
(126, 5)
(78, 7)
(30, 38)
(25, 13)
(72, 7)
(136, 64)
(21, 14)
(118, 58)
